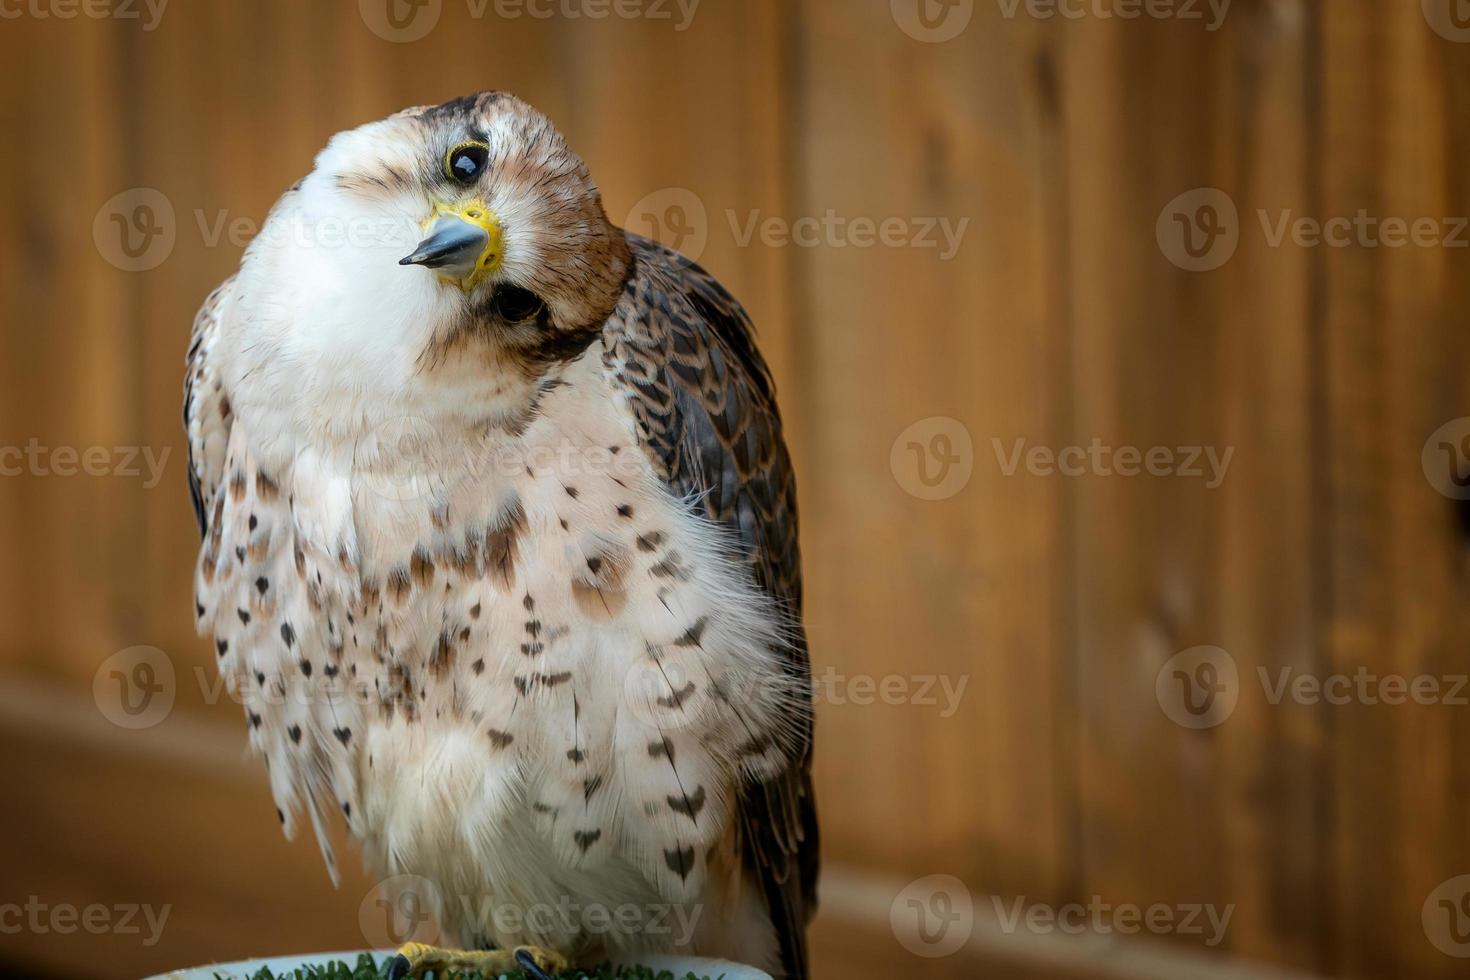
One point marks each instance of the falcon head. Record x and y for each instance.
(434, 263)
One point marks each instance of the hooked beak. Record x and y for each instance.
(463, 245)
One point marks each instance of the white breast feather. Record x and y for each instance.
(518, 666)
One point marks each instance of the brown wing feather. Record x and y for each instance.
(706, 410)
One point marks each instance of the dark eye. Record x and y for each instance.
(516, 304)
(466, 162)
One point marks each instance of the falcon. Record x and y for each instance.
(500, 552)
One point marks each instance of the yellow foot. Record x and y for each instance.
(415, 960)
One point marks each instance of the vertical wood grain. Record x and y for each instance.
(1146, 337)
(1397, 365)
(894, 128)
(1274, 792)
(1222, 359)
(66, 330)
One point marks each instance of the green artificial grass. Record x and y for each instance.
(366, 969)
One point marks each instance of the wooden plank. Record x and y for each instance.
(1273, 790)
(67, 328)
(889, 127)
(1217, 360)
(1143, 545)
(1395, 343)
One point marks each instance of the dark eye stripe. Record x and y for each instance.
(515, 304)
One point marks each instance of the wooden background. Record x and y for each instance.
(1056, 600)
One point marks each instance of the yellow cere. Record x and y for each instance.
(476, 213)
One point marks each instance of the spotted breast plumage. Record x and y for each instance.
(500, 552)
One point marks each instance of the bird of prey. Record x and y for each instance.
(500, 551)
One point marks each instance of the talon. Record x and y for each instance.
(415, 960)
(529, 959)
(412, 960)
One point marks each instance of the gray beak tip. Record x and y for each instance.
(452, 243)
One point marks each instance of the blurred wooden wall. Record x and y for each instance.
(1056, 601)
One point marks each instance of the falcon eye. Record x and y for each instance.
(466, 162)
(515, 304)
